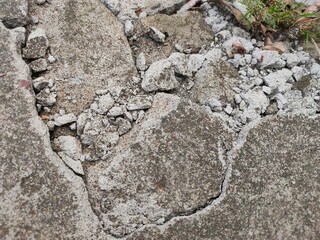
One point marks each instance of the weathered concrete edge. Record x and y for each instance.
(238, 143)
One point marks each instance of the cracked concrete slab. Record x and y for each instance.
(171, 164)
(188, 30)
(90, 47)
(273, 192)
(40, 197)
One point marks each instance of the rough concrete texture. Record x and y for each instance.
(40, 197)
(140, 183)
(215, 80)
(91, 50)
(128, 9)
(188, 30)
(14, 13)
(274, 191)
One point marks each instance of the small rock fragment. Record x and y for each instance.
(38, 65)
(159, 77)
(51, 59)
(128, 28)
(278, 79)
(228, 109)
(69, 145)
(139, 103)
(81, 122)
(281, 101)
(268, 59)
(141, 62)
(46, 98)
(37, 44)
(292, 59)
(39, 83)
(156, 35)
(115, 112)
(105, 103)
(124, 126)
(39, 2)
(65, 119)
(140, 116)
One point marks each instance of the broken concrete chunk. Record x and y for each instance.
(315, 69)
(37, 44)
(180, 63)
(128, 28)
(214, 55)
(124, 126)
(278, 79)
(141, 62)
(65, 119)
(156, 35)
(105, 102)
(40, 2)
(69, 145)
(159, 77)
(268, 59)
(105, 142)
(195, 62)
(14, 13)
(215, 80)
(256, 100)
(40, 83)
(292, 59)
(139, 103)
(81, 122)
(38, 65)
(46, 98)
(115, 112)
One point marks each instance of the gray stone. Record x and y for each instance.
(124, 126)
(159, 77)
(278, 79)
(256, 100)
(299, 72)
(69, 146)
(274, 181)
(139, 103)
(37, 44)
(281, 101)
(180, 64)
(158, 163)
(84, 70)
(65, 119)
(105, 142)
(292, 59)
(105, 102)
(40, 83)
(38, 65)
(141, 62)
(14, 13)
(81, 122)
(51, 59)
(315, 69)
(115, 112)
(40, 197)
(268, 59)
(40, 1)
(128, 28)
(214, 55)
(247, 45)
(156, 35)
(195, 62)
(46, 98)
(215, 80)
